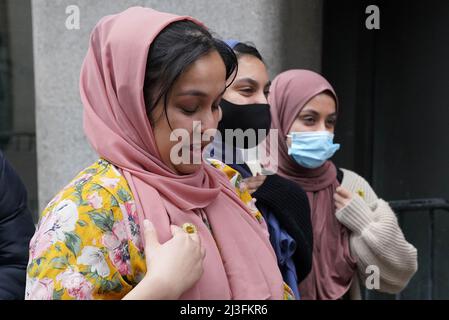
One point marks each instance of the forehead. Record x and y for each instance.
(252, 67)
(207, 74)
(323, 103)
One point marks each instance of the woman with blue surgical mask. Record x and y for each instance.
(354, 231)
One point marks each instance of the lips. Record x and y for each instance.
(193, 151)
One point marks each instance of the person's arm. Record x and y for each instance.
(16, 230)
(376, 239)
(85, 249)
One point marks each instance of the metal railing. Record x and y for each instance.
(431, 206)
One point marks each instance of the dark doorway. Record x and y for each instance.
(394, 128)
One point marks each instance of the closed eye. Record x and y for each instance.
(189, 111)
(247, 90)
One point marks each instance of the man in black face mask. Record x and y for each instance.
(244, 126)
(246, 121)
(16, 230)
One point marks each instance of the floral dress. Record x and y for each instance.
(88, 243)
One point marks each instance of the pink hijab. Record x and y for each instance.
(332, 266)
(239, 262)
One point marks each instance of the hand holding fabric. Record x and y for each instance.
(172, 267)
(342, 198)
(253, 183)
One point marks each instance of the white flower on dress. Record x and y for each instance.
(95, 201)
(131, 218)
(110, 182)
(93, 257)
(39, 289)
(65, 216)
(76, 284)
(117, 244)
(53, 226)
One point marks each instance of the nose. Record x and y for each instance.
(322, 126)
(261, 98)
(209, 120)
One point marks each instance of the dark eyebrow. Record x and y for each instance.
(193, 92)
(249, 80)
(313, 112)
(310, 111)
(198, 93)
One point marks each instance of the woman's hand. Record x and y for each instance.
(172, 267)
(342, 197)
(253, 183)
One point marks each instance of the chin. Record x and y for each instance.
(186, 169)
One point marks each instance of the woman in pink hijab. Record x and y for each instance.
(150, 78)
(356, 234)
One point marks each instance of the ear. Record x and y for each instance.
(220, 114)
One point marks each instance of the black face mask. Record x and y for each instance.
(244, 117)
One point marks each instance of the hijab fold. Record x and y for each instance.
(239, 262)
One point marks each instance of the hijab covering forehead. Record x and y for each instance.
(333, 266)
(239, 262)
(290, 92)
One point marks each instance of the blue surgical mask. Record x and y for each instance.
(312, 149)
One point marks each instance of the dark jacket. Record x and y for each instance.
(16, 230)
(290, 205)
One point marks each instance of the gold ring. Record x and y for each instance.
(189, 228)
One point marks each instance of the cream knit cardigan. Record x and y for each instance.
(376, 238)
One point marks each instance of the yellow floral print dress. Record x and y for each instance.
(88, 243)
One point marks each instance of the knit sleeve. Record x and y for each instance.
(377, 239)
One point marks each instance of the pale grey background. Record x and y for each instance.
(288, 34)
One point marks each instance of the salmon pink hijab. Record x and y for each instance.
(332, 266)
(239, 262)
